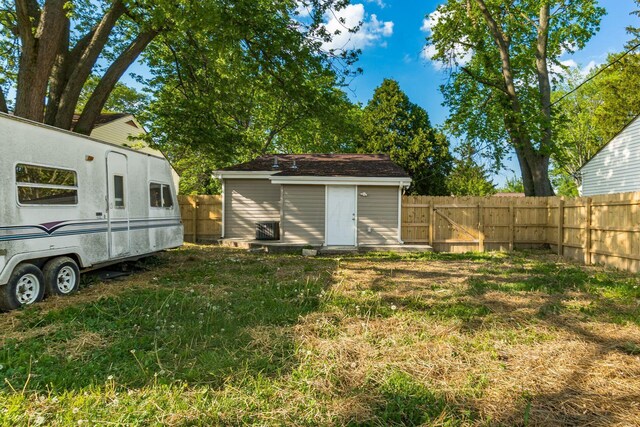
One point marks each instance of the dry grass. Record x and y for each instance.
(237, 338)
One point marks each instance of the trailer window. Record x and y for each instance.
(160, 196)
(40, 185)
(118, 191)
(155, 195)
(167, 200)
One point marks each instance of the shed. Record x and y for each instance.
(616, 167)
(315, 199)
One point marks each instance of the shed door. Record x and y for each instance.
(118, 205)
(341, 216)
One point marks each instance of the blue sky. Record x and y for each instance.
(392, 40)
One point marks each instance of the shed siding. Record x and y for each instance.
(248, 201)
(616, 168)
(378, 211)
(303, 214)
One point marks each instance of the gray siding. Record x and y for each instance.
(304, 209)
(248, 201)
(616, 168)
(378, 211)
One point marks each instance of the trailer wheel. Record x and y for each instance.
(61, 276)
(25, 287)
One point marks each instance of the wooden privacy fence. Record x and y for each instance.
(201, 217)
(600, 229)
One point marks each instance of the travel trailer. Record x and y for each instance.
(70, 203)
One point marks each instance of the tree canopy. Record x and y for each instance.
(53, 48)
(392, 124)
(468, 176)
(502, 57)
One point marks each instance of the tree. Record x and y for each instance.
(468, 177)
(215, 100)
(52, 47)
(512, 185)
(123, 99)
(501, 57)
(392, 124)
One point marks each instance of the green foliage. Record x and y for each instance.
(468, 177)
(512, 185)
(392, 124)
(123, 99)
(266, 87)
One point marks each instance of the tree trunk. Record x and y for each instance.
(57, 78)
(79, 71)
(3, 103)
(38, 54)
(100, 95)
(542, 69)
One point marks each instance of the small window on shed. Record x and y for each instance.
(118, 191)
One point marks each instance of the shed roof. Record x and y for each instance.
(103, 118)
(324, 165)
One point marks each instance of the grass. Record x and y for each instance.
(212, 336)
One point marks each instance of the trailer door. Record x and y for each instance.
(118, 205)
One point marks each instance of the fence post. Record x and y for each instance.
(195, 219)
(432, 222)
(512, 225)
(561, 226)
(587, 240)
(480, 227)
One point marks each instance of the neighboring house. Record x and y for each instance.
(317, 199)
(616, 167)
(122, 129)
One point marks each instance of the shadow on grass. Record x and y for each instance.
(199, 321)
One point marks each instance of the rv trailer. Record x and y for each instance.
(70, 203)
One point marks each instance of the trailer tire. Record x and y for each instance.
(61, 276)
(25, 287)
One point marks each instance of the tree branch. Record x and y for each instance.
(81, 69)
(484, 81)
(100, 95)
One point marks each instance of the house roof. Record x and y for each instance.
(324, 165)
(103, 119)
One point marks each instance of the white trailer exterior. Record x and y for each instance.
(67, 199)
(616, 167)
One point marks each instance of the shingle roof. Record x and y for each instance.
(361, 165)
(103, 119)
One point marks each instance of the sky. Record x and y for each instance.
(392, 40)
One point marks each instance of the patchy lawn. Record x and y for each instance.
(219, 336)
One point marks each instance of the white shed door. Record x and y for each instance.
(341, 216)
(118, 204)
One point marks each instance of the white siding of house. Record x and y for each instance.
(616, 168)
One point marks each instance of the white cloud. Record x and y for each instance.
(431, 21)
(370, 32)
(380, 3)
(302, 11)
(571, 64)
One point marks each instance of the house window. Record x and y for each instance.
(118, 191)
(160, 196)
(41, 185)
